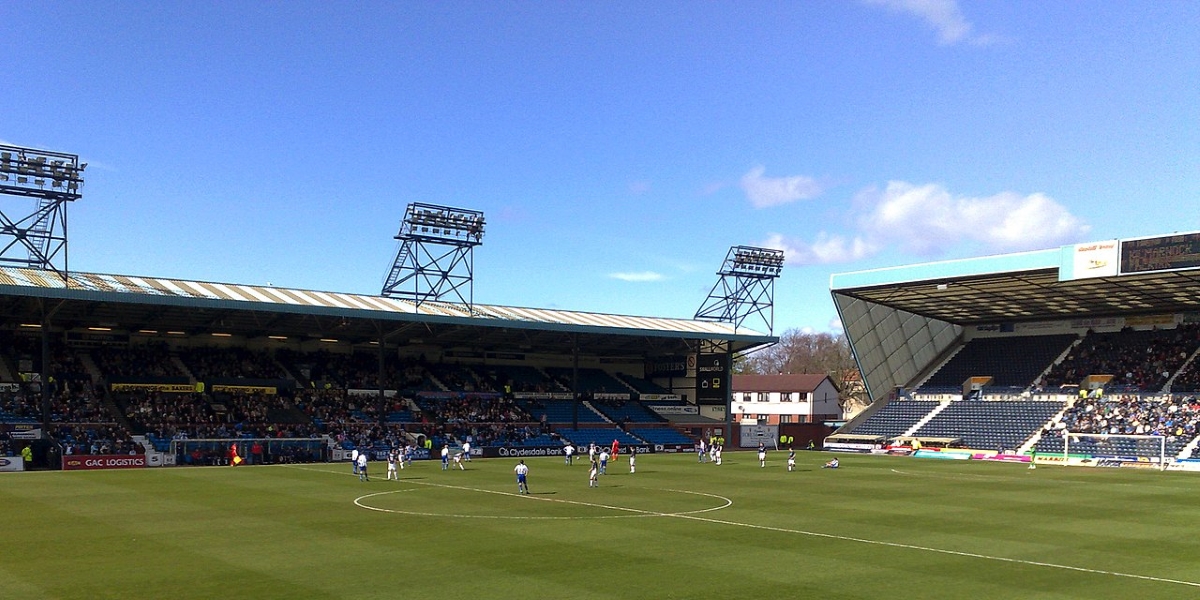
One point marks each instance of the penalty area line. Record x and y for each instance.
(902, 546)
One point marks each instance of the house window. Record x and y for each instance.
(785, 419)
(763, 396)
(786, 396)
(746, 397)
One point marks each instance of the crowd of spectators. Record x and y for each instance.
(20, 405)
(230, 363)
(95, 438)
(1188, 380)
(89, 420)
(1171, 416)
(359, 370)
(1137, 360)
(146, 361)
(76, 402)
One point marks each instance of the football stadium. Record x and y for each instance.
(197, 439)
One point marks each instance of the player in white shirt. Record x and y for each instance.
(603, 462)
(362, 467)
(717, 454)
(762, 454)
(592, 451)
(458, 461)
(354, 460)
(392, 458)
(467, 450)
(791, 459)
(522, 472)
(594, 475)
(445, 457)
(632, 460)
(833, 464)
(569, 454)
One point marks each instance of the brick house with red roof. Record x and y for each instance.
(781, 399)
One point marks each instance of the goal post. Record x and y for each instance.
(1153, 447)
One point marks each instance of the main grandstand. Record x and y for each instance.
(179, 370)
(1003, 356)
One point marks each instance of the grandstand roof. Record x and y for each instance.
(899, 320)
(133, 303)
(1019, 287)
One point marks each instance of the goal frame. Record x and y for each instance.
(1162, 443)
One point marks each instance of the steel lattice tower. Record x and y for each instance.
(39, 239)
(746, 287)
(435, 261)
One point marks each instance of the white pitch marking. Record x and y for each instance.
(939, 550)
(830, 536)
(637, 512)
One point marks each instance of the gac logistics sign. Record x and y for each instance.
(78, 462)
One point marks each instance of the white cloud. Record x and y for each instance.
(835, 325)
(928, 220)
(639, 277)
(944, 16)
(764, 192)
(826, 249)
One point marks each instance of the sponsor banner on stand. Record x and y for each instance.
(80, 462)
(674, 409)
(610, 396)
(1185, 464)
(941, 454)
(373, 393)
(660, 398)
(12, 463)
(542, 395)
(1020, 458)
(851, 447)
(268, 390)
(166, 388)
(535, 451)
(25, 431)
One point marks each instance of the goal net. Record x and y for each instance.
(1152, 448)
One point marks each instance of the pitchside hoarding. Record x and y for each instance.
(80, 462)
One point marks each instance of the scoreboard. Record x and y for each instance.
(1160, 253)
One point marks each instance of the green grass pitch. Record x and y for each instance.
(879, 527)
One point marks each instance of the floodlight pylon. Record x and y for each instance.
(746, 287)
(52, 179)
(435, 260)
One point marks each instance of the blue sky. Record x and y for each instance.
(618, 149)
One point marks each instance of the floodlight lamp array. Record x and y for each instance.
(29, 172)
(443, 222)
(761, 262)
